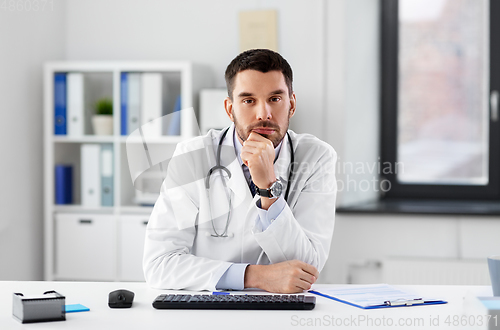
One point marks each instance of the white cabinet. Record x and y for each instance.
(85, 247)
(132, 231)
(104, 240)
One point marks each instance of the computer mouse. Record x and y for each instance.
(120, 299)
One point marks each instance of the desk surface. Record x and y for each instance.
(143, 316)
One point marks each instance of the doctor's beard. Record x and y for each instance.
(276, 139)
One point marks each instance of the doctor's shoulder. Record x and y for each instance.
(190, 161)
(308, 145)
(197, 142)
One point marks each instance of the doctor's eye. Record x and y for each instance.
(248, 101)
(275, 99)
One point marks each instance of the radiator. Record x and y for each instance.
(435, 271)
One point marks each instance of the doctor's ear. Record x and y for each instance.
(293, 103)
(228, 106)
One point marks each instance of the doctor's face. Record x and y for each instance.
(261, 103)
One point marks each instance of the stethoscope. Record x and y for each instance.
(219, 167)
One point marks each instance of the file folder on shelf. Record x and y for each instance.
(123, 103)
(375, 296)
(174, 127)
(60, 104)
(133, 102)
(151, 103)
(107, 175)
(63, 184)
(75, 104)
(91, 175)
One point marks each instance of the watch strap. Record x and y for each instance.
(267, 192)
(264, 192)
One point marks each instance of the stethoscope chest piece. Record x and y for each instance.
(228, 235)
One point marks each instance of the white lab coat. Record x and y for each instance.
(180, 252)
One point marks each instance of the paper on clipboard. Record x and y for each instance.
(374, 296)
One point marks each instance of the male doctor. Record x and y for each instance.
(257, 220)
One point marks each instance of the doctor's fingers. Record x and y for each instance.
(257, 137)
(306, 277)
(258, 150)
(308, 268)
(256, 155)
(292, 285)
(303, 285)
(262, 146)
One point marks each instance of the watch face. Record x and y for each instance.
(276, 189)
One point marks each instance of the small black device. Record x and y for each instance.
(120, 299)
(237, 301)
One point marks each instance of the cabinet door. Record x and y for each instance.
(132, 235)
(85, 247)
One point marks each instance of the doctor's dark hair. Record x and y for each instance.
(263, 60)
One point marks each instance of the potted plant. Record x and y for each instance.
(102, 121)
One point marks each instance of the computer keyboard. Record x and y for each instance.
(234, 301)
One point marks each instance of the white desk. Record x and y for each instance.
(143, 316)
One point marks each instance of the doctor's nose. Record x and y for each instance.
(263, 111)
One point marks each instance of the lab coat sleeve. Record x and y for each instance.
(266, 217)
(304, 230)
(168, 261)
(233, 278)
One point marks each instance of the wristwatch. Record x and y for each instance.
(272, 192)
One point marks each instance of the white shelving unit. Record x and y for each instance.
(101, 243)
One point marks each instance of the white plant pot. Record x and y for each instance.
(103, 124)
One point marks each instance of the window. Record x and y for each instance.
(439, 90)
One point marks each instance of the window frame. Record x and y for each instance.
(389, 111)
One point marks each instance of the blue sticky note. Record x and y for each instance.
(76, 308)
(218, 292)
(492, 305)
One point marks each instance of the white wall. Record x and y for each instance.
(205, 32)
(27, 40)
(358, 238)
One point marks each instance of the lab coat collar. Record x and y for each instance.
(282, 164)
(237, 183)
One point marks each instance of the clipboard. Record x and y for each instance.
(375, 296)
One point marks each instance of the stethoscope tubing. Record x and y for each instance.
(218, 166)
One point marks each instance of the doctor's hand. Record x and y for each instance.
(258, 154)
(285, 277)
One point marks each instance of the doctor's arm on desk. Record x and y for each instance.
(284, 277)
(292, 276)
